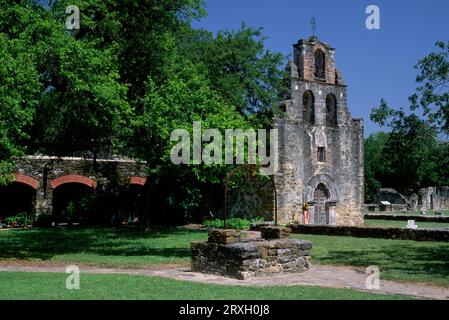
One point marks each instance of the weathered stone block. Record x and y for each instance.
(246, 259)
(224, 236)
(284, 252)
(286, 259)
(288, 265)
(270, 232)
(301, 262)
(263, 251)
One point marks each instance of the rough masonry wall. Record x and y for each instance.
(251, 199)
(108, 175)
(300, 172)
(433, 198)
(225, 254)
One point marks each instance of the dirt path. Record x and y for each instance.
(318, 275)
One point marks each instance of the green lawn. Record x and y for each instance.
(99, 246)
(403, 224)
(409, 213)
(51, 286)
(398, 260)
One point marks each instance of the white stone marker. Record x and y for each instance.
(411, 224)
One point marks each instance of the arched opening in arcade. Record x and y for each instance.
(74, 201)
(131, 203)
(16, 198)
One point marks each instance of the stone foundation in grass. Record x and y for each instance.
(225, 254)
(427, 234)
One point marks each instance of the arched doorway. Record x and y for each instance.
(322, 196)
(132, 203)
(74, 199)
(72, 203)
(17, 198)
(321, 212)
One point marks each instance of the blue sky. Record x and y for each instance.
(375, 63)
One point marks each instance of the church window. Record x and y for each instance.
(320, 65)
(321, 154)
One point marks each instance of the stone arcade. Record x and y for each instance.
(44, 175)
(321, 160)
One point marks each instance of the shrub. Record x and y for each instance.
(20, 220)
(233, 223)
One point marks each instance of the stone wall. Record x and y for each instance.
(225, 254)
(300, 172)
(44, 174)
(432, 198)
(405, 217)
(372, 232)
(390, 195)
(251, 199)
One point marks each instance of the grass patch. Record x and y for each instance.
(107, 247)
(403, 224)
(29, 286)
(398, 260)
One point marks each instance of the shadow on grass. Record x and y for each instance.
(399, 259)
(44, 244)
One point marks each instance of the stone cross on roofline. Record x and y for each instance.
(313, 23)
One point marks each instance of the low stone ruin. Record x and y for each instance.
(227, 254)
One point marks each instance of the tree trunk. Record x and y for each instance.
(148, 207)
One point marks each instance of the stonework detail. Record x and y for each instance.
(321, 146)
(426, 199)
(433, 198)
(251, 199)
(249, 258)
(44, 174)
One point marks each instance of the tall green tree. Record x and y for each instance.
(136, 30)
(183, 98)
(432, 96)
(240, 68)
(129, 77)
(409, 151)
(19, 90)
(83, 106)
(375, 166)
(417, 149)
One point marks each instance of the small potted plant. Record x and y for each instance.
(11, 222)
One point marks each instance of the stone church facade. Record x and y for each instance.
(321, 157)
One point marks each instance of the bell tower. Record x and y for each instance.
(321, 146)
(315, 61)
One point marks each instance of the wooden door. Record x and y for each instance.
(321, 196)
